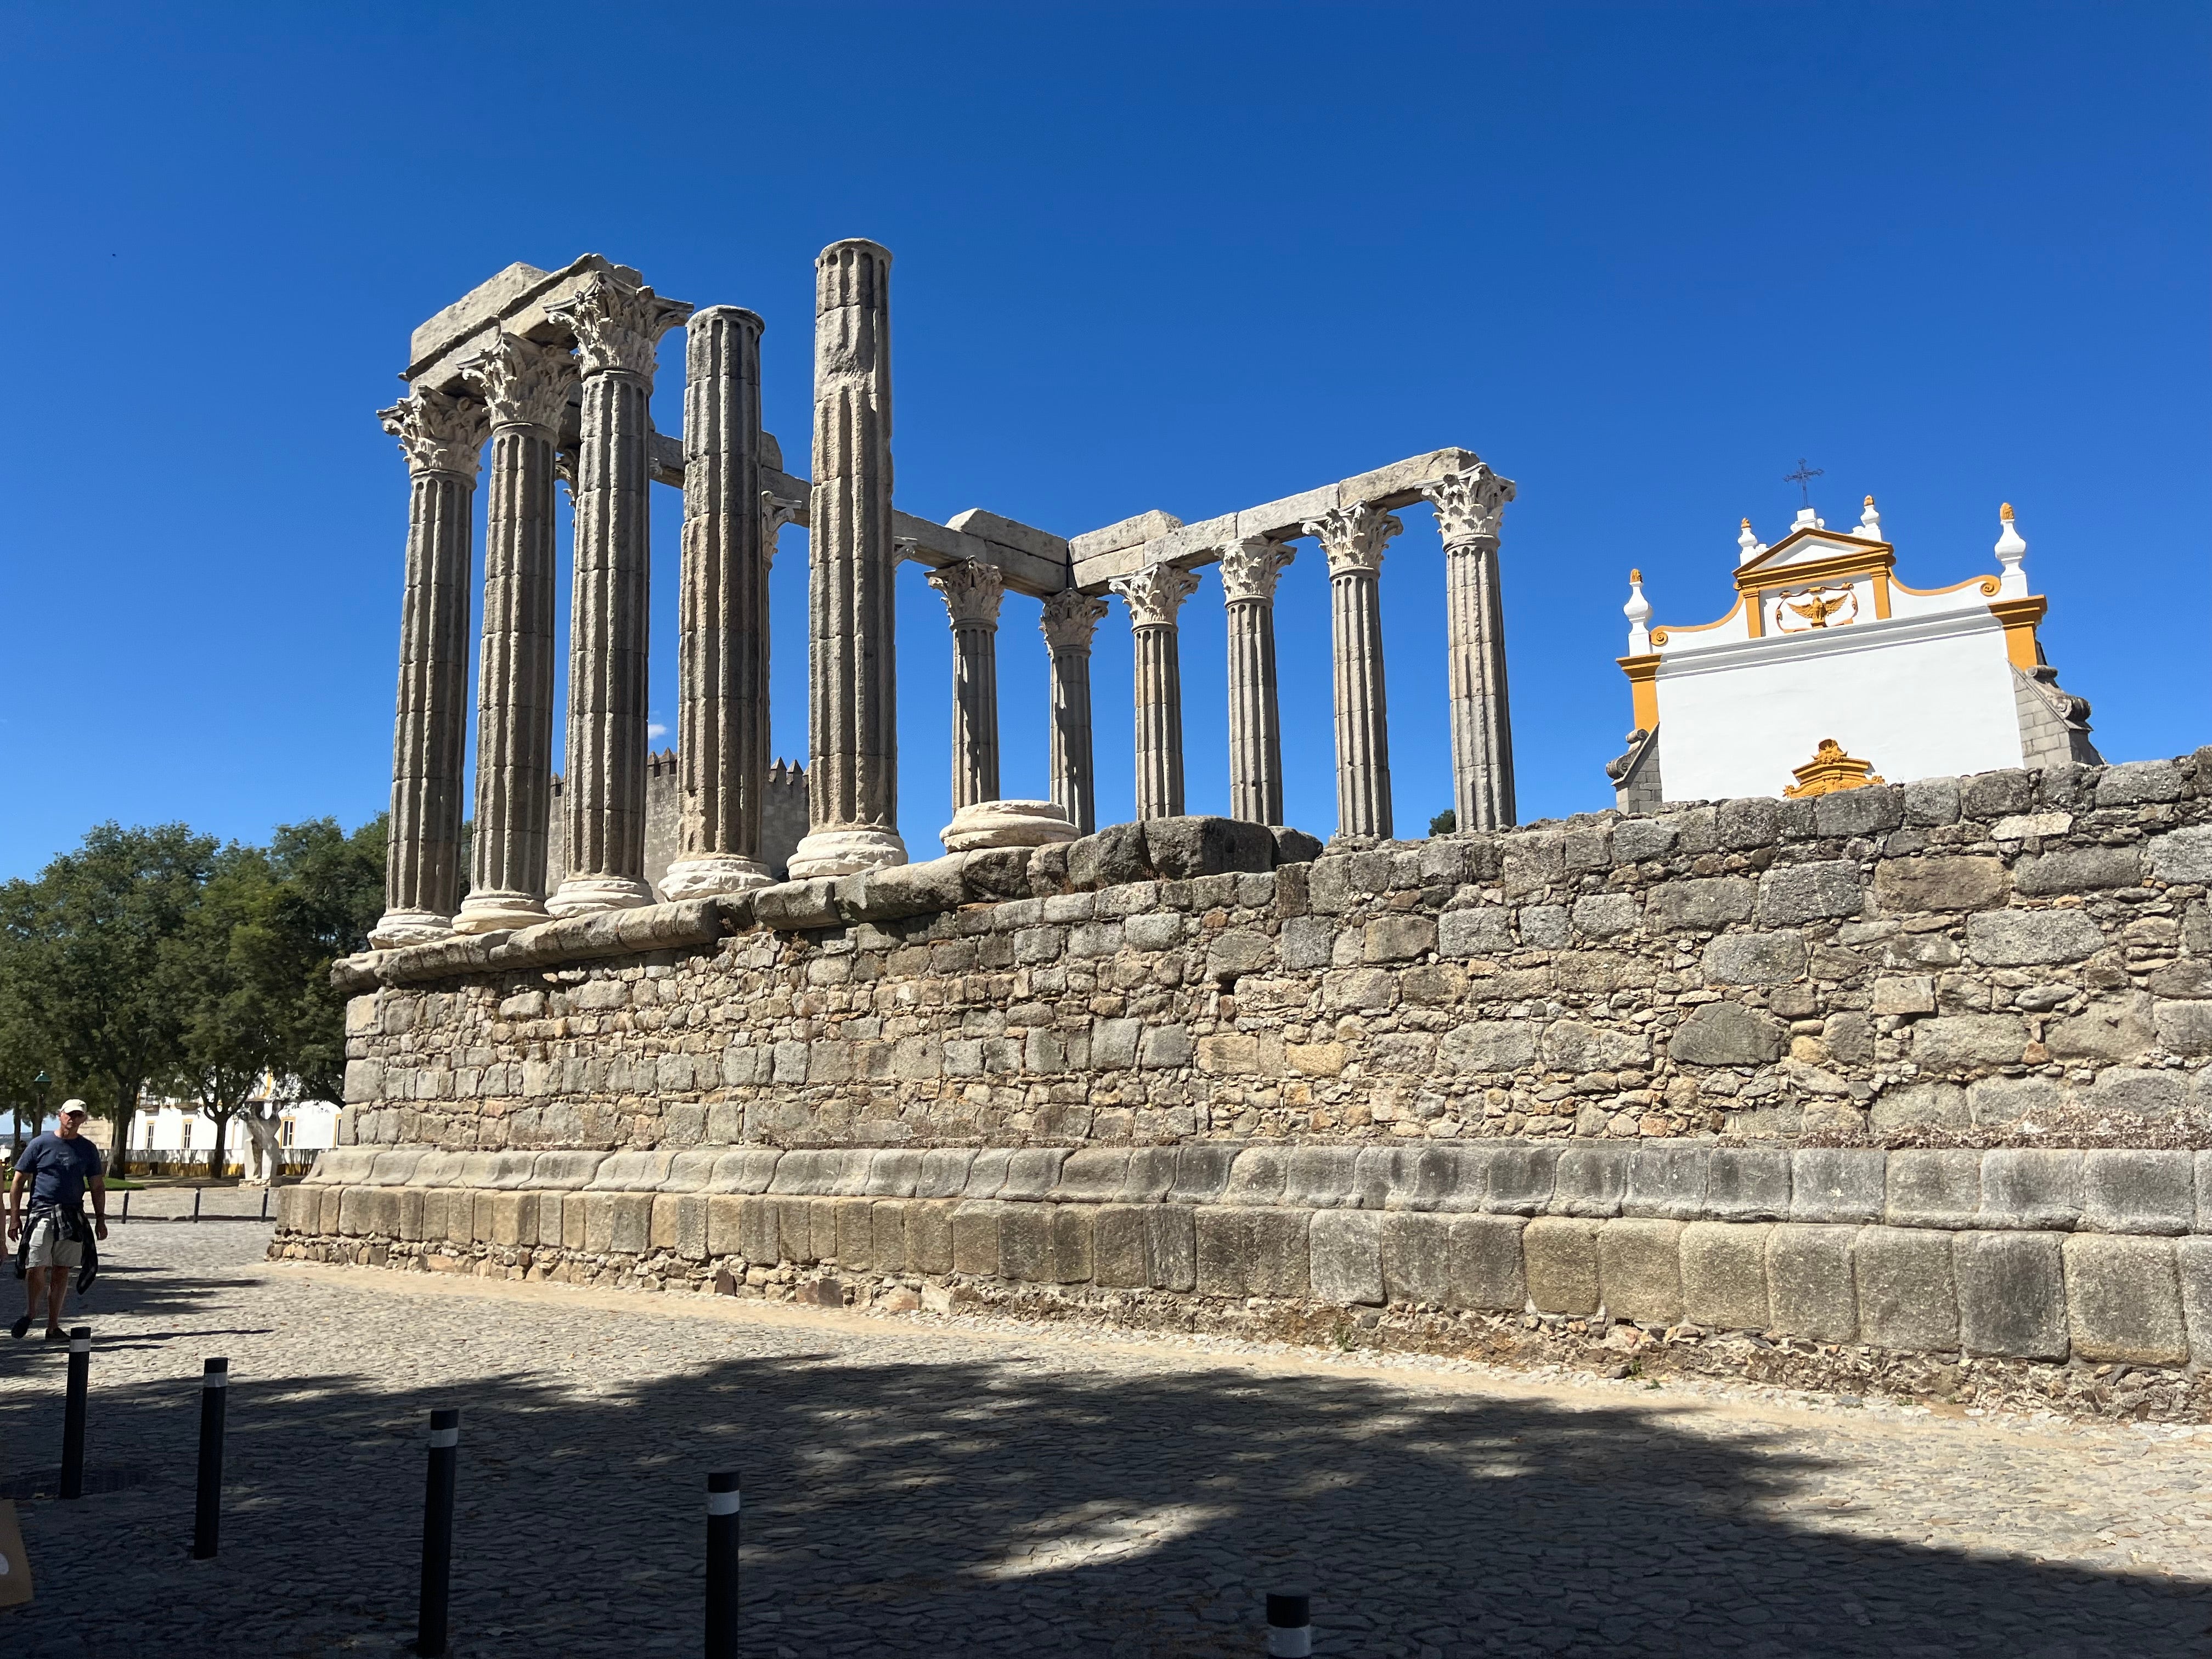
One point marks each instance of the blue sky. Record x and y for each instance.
(1640, 258)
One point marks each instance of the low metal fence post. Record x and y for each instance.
(438, 1531)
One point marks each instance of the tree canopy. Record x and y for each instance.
(159, 958)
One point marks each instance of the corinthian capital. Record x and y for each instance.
(1249, 567)
(437, 433)
(1353, 537)
(522, 384)
(1155, 594)
(1469, 505)
(617, 327)
(1070, 620)
(972, 592)
(775, 512)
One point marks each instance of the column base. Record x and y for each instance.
(588, 896)
(409, 927)
(712, 873)
(844, 850)
(496, 912)
(1005, 823)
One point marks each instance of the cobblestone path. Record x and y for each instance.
(920, 1486)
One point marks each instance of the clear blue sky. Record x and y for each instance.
(1639, 257)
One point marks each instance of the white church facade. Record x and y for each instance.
(1825, 646)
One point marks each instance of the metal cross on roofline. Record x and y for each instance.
(1803, 477)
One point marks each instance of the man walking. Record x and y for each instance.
(57, 1168)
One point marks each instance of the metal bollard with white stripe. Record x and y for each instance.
(207, 1500)
(722, 1566)
(1290, 1626)
(80, 1383)
(438, 1531)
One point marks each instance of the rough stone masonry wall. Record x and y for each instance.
(1916, 1069)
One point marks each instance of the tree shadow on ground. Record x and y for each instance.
(994, 1507)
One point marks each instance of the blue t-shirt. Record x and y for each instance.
(59, 1168)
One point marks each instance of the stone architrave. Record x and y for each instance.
(441, 437)
(1071, 620)
(1153, 595)
(972, 592)
(1249, 569)
(1468, 507)
(722, 645)
(1353, 538)
(525, 389)
(617, 328)
(853, 724)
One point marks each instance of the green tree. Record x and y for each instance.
(26, 1053)
(236, 1012)
(85, 949)
(1444, 823)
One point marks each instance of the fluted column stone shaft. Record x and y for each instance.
(1248, 570)
(972, 594)
(853, 726)
(440, 437)
(525, 388)
(1469, 505)
(722, 645)
(1070, 622)
(617, 328)
(1153, 596)
(1353, 538)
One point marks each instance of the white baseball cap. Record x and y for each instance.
(75, 1109)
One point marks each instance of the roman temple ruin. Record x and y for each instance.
(1914, 1072)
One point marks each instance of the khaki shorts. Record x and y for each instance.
(50, 1246)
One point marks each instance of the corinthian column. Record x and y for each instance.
(1353, 537)
(1249, 569)
(1069, 621)
(1153, 595)
(972, 594)
(440, 437)
(525, 389)
(617, 328)
(721, 649)
(1468, 507)
(853, 724)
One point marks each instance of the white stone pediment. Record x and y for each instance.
(1814, 547)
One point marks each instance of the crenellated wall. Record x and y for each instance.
(1917, 1067)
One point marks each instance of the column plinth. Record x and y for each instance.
(617, 328)
(1070, 622)
(1353, 538)
(440, 437)
(525, 391)
(853, 726)
(1154, 595)
(1469, 505)
(1248, 570)
(722, 652)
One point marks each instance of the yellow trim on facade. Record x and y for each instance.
(2020, 618)
(1989, 586)
(1661, 635)
(1882, 580)
(1643, 688)
(1817, 573)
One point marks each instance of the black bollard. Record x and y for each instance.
(195, 1204)
(438, 1531)
(1290, 1626)
(722, 1566)
(126, 1204)
(80, 1376)
(207, 1503)
(264, 1204)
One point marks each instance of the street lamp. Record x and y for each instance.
(39, 1085)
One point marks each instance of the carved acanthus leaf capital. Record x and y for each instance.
(1071, 620)
(1353, 538)
(1249, 567)
(438, 433)
(1155, 594)
(617, 327)
(522, 383)
(1469, 505)
(972, 590)
(775, 512)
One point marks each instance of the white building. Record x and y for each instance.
(307, 1126)
(1823, 644)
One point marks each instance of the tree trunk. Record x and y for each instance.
(220, 1158)
(126, 1118)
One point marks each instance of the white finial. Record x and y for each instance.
(1869, 522)
(1806, 520)
(1752, 546)
(2010, 550)
(1638, 612)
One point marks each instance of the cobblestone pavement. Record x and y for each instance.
(926, 1485)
